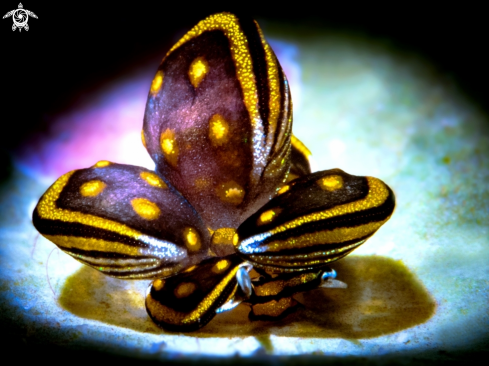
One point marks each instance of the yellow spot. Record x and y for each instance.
(169, 147)
(291, 177)
(202, 184)
(192, 239)
(235, 239)
(158, 284)
(157, 82)
(220, 266)
(185, 289)
(197, 71)
(102, 164)
(231, 192)
(143, 139)
(223, 235)
(331, 183)
(146, 209)
(153, 180)
(283, 189)
(92, 188)
(268, 216)
(222, 241)
(190, 269)
(218, 130)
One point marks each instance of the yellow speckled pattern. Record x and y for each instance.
(102, 164)
(158, 284)
(238, 44)
(157, 82)
(273, 88)
(47, 210)
(143, 139)
(153, 180)
(169, 147)
(218, 130)
(377, 195)
(221, 266)
(211, 298)
(272, 288)
(192, 239)
(235, 239)
(274, 308)
(223, 235)
(68, 242)
(92, 188)
(337, 235)
(185, 289)
(268, 216)
(301, 261)
(230, 192)
(197, 71)
(202, 183)
(228, 23)
(283, 189)
(145, 208)
(172, 316)
(331, 183)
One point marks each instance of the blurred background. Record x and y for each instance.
(79, 66)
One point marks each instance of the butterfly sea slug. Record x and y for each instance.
(232, 190)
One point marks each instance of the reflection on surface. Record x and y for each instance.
(382, 297)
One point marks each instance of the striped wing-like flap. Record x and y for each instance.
(122, 220)
(190, 299)
(314, 220)
(218, 119)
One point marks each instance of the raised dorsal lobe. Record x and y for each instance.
(218, 119)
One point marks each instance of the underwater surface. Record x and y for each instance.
(419, 286)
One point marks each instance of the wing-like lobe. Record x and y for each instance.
(314, 220)
(189, 300)
(218, 119)
(122, 220)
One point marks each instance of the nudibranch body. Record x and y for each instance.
(232, 190)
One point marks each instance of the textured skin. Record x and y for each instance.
(202, 169)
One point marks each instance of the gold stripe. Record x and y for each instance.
(211, 298)
(238, 45)
(299, 145)
(284, 266)
(48, 211)
(335, 236)
(229, 25)
(273, 88)
(164, 313)
(68, 242)
(377, 195)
